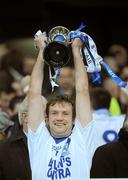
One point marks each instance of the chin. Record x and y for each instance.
(62, 134)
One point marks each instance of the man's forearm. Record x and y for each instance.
(80, 74)
(37, 75)
(83, 107)
(36, 105)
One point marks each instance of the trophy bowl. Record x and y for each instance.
(58, 32)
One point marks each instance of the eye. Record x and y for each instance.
(65, 113)
(54, 112)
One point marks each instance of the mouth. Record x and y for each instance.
(60, 124)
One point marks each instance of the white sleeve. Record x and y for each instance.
(36, 139)
(86, 131)
(86, 136)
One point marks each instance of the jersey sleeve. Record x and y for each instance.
(85, 137)
(86, 132)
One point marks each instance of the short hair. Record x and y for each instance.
(52, 100)
(100, 98)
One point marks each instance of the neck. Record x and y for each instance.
(60, 135)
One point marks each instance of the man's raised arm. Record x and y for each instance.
(37, 103)
(83, 107)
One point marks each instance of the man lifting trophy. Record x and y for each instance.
(59, 131)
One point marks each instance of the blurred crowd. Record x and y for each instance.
(15, 71)
(15, 68)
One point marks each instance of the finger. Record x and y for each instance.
(38, 33)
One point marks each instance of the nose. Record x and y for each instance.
(59, 117)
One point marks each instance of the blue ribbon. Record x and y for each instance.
(80, 27)
(57, 72)
(113, 75)
(96, 76)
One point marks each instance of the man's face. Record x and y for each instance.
(60, 120)
(120, 54)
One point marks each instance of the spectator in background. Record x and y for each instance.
(111, 87)
(114, 90)
(124, 96)
(5, 124)
(111, 61)
(66, 81)
(124, 73)
(120, 55)
(14, 65)
(5, 81)
(21, 87)
(5, 97)
(11, 63)
(111, 160)
(28, 63)
(10, 75)
(3, 50)
(14, 106)
(10, 97)
(106, 126)
(14, 158)
(17, 86)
